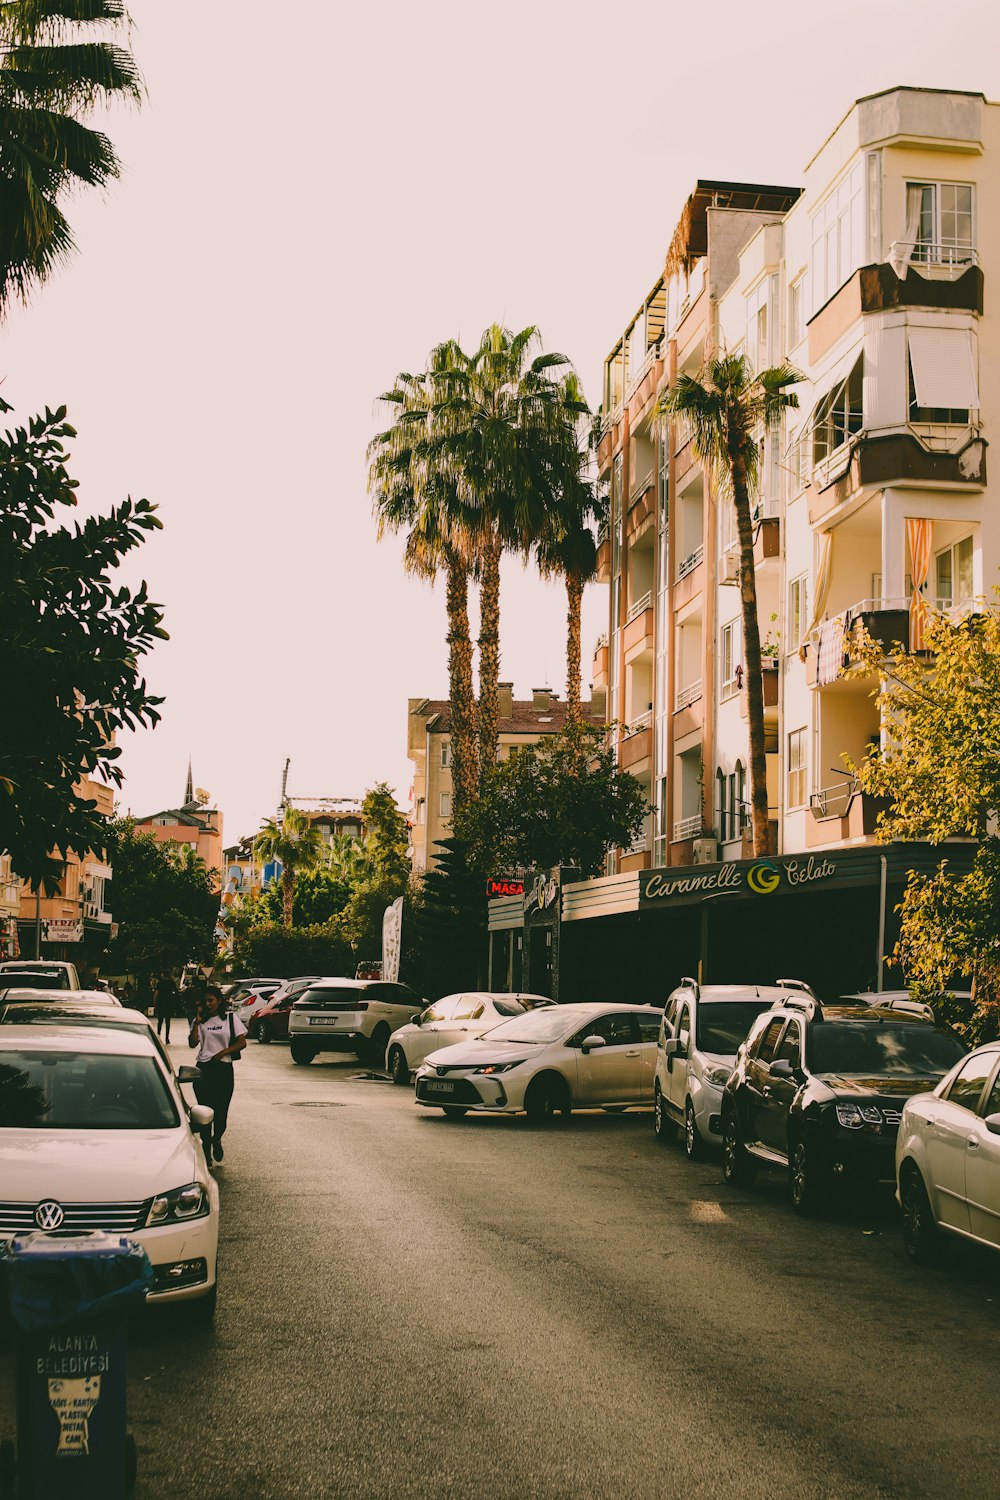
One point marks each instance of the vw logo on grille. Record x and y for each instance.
(49, 1215)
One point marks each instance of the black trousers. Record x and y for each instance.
(215, 1088)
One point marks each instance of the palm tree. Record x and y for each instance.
(505, 429)
(728, 406)
(411, 488)
(53, 75)
(296, 843)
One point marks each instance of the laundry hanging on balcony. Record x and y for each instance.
(919, 534)
(832, 643)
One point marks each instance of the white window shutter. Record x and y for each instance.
(944, 368)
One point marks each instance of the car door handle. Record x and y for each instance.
(973, 1143)
(633, 1053)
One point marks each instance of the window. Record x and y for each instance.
(945, 232)
(444, 805)
(445, 754)
(797, 768)
(649, 1028)
(468, 1008)
(992, 1105)
(768, 1042)
(617, 1030)
(684, 1032)
(791, 1045)
(798, 610)
(732, 802)
(796, 311)
(942, 375)
(838, 236)
(839, 416)
(953, 574)
(730, 650)
(968, 1084)
(757, 346)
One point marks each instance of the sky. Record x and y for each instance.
(311, 200)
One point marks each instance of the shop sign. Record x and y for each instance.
(64, 930)
(504, 885)
(762, 877)
(542, 891)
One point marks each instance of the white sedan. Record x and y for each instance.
(454, 1018)
(548, 1062)
(95, 1134)
(948, 1157)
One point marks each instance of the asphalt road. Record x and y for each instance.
(483, 1308)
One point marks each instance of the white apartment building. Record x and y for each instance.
(870, 280)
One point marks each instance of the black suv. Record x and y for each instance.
(818, 1089)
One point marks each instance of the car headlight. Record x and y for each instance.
(857, 1116)
(718, 1076)
(190, 1202)
(504, 1067)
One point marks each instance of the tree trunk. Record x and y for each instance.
(489, 657)
(574, 601)
(464, 778)
(751, 644)
(287, 893)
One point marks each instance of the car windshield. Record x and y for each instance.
(724, 1024)
(83, 1091)
(862, 1049)
(36, 979)
(509, 1008)
(537, 1027)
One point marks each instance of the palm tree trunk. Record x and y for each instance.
(287, 893)
(751, 653)
(574, 601)
(489, 657)
(464, 780)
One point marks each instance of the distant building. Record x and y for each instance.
(75, 922)
(194, 825)
(522, 722)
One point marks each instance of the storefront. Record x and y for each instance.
(829, 918)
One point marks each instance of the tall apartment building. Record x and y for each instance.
(869, 279)
(194, 824)
(75, 922)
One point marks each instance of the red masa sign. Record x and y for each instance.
(505, 886)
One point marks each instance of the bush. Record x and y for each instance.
(284, 952)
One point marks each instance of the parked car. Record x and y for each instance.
(95, 1134)
(948, 1158)
(41, 995)
(696, 1049)
(250, 996)
(899, 1000)
(83, 1012)
(270, 1020)
(548, 1062)
(349, 1015)
(452, 1019)
(45, 973)
(818, 1090)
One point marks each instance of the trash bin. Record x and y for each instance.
(69, 1294)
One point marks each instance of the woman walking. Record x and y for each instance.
(220, 1038)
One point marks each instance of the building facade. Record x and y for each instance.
(194, 825)
(75, 923)
(870, 280)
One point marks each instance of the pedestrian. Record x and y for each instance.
(166, 994)
(220, 1038)
(194, 997)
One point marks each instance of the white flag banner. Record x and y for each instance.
(392, 939)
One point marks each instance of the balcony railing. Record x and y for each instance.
(834, 801)
(687, 828)
(690, 562)
(651, 356)
(937, 259)
(639, 607)
(601, 642)
(689, 694)
(644, 721)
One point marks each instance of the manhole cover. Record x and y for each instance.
(312, 1103)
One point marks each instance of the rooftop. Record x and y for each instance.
(528, 717)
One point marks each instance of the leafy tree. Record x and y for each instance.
(446, 947)
(55, 71)
(940, 770)
(297, 844)
(562, 800)
(729, 407)
(71, 640)
(166, 908)
(318, 895)
(272, 948)
(388, 836)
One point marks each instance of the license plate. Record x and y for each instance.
(322, 1020)
(439, 1086)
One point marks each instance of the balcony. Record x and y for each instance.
(603, 556)
(639, 629)
(769, 675)
(952, 282)
(636, 751)
(688, 695)
(599, 669)
(642, 508)
(842, 813)
(688, 564)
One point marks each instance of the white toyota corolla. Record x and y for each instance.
(548, 1062)
(95, 1134)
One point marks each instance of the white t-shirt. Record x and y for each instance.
(214, 1031)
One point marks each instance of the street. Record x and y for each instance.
(416, 1306)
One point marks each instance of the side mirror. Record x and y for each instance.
(590, 1042)
(781, 1068)
(671, 1047)
(992, 1123)
(202, 1116)
(417, 1020)
(187, 1074)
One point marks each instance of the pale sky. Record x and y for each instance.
(312, 199)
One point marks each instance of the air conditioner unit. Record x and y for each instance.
(705, 851)
(730, 571)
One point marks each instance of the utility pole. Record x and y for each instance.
(284, 786)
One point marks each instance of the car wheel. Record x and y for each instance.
(454, 1111)
(738, 1166)
(921, 1236)
(302, 1052)
(802, 1177)
(663, 1126)
(397, 1067)
(262, 1031)
(694, 1146)
(374, 1052)
(547, 1097)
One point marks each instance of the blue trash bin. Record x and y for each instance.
(69, 1294)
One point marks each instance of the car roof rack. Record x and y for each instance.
(909, 1008)
(797, 984)
(687, 983)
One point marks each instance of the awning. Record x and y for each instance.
(944, 370)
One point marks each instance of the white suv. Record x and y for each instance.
(700, 1033)
(350, 1015)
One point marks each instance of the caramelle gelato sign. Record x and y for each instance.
(759, 877)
